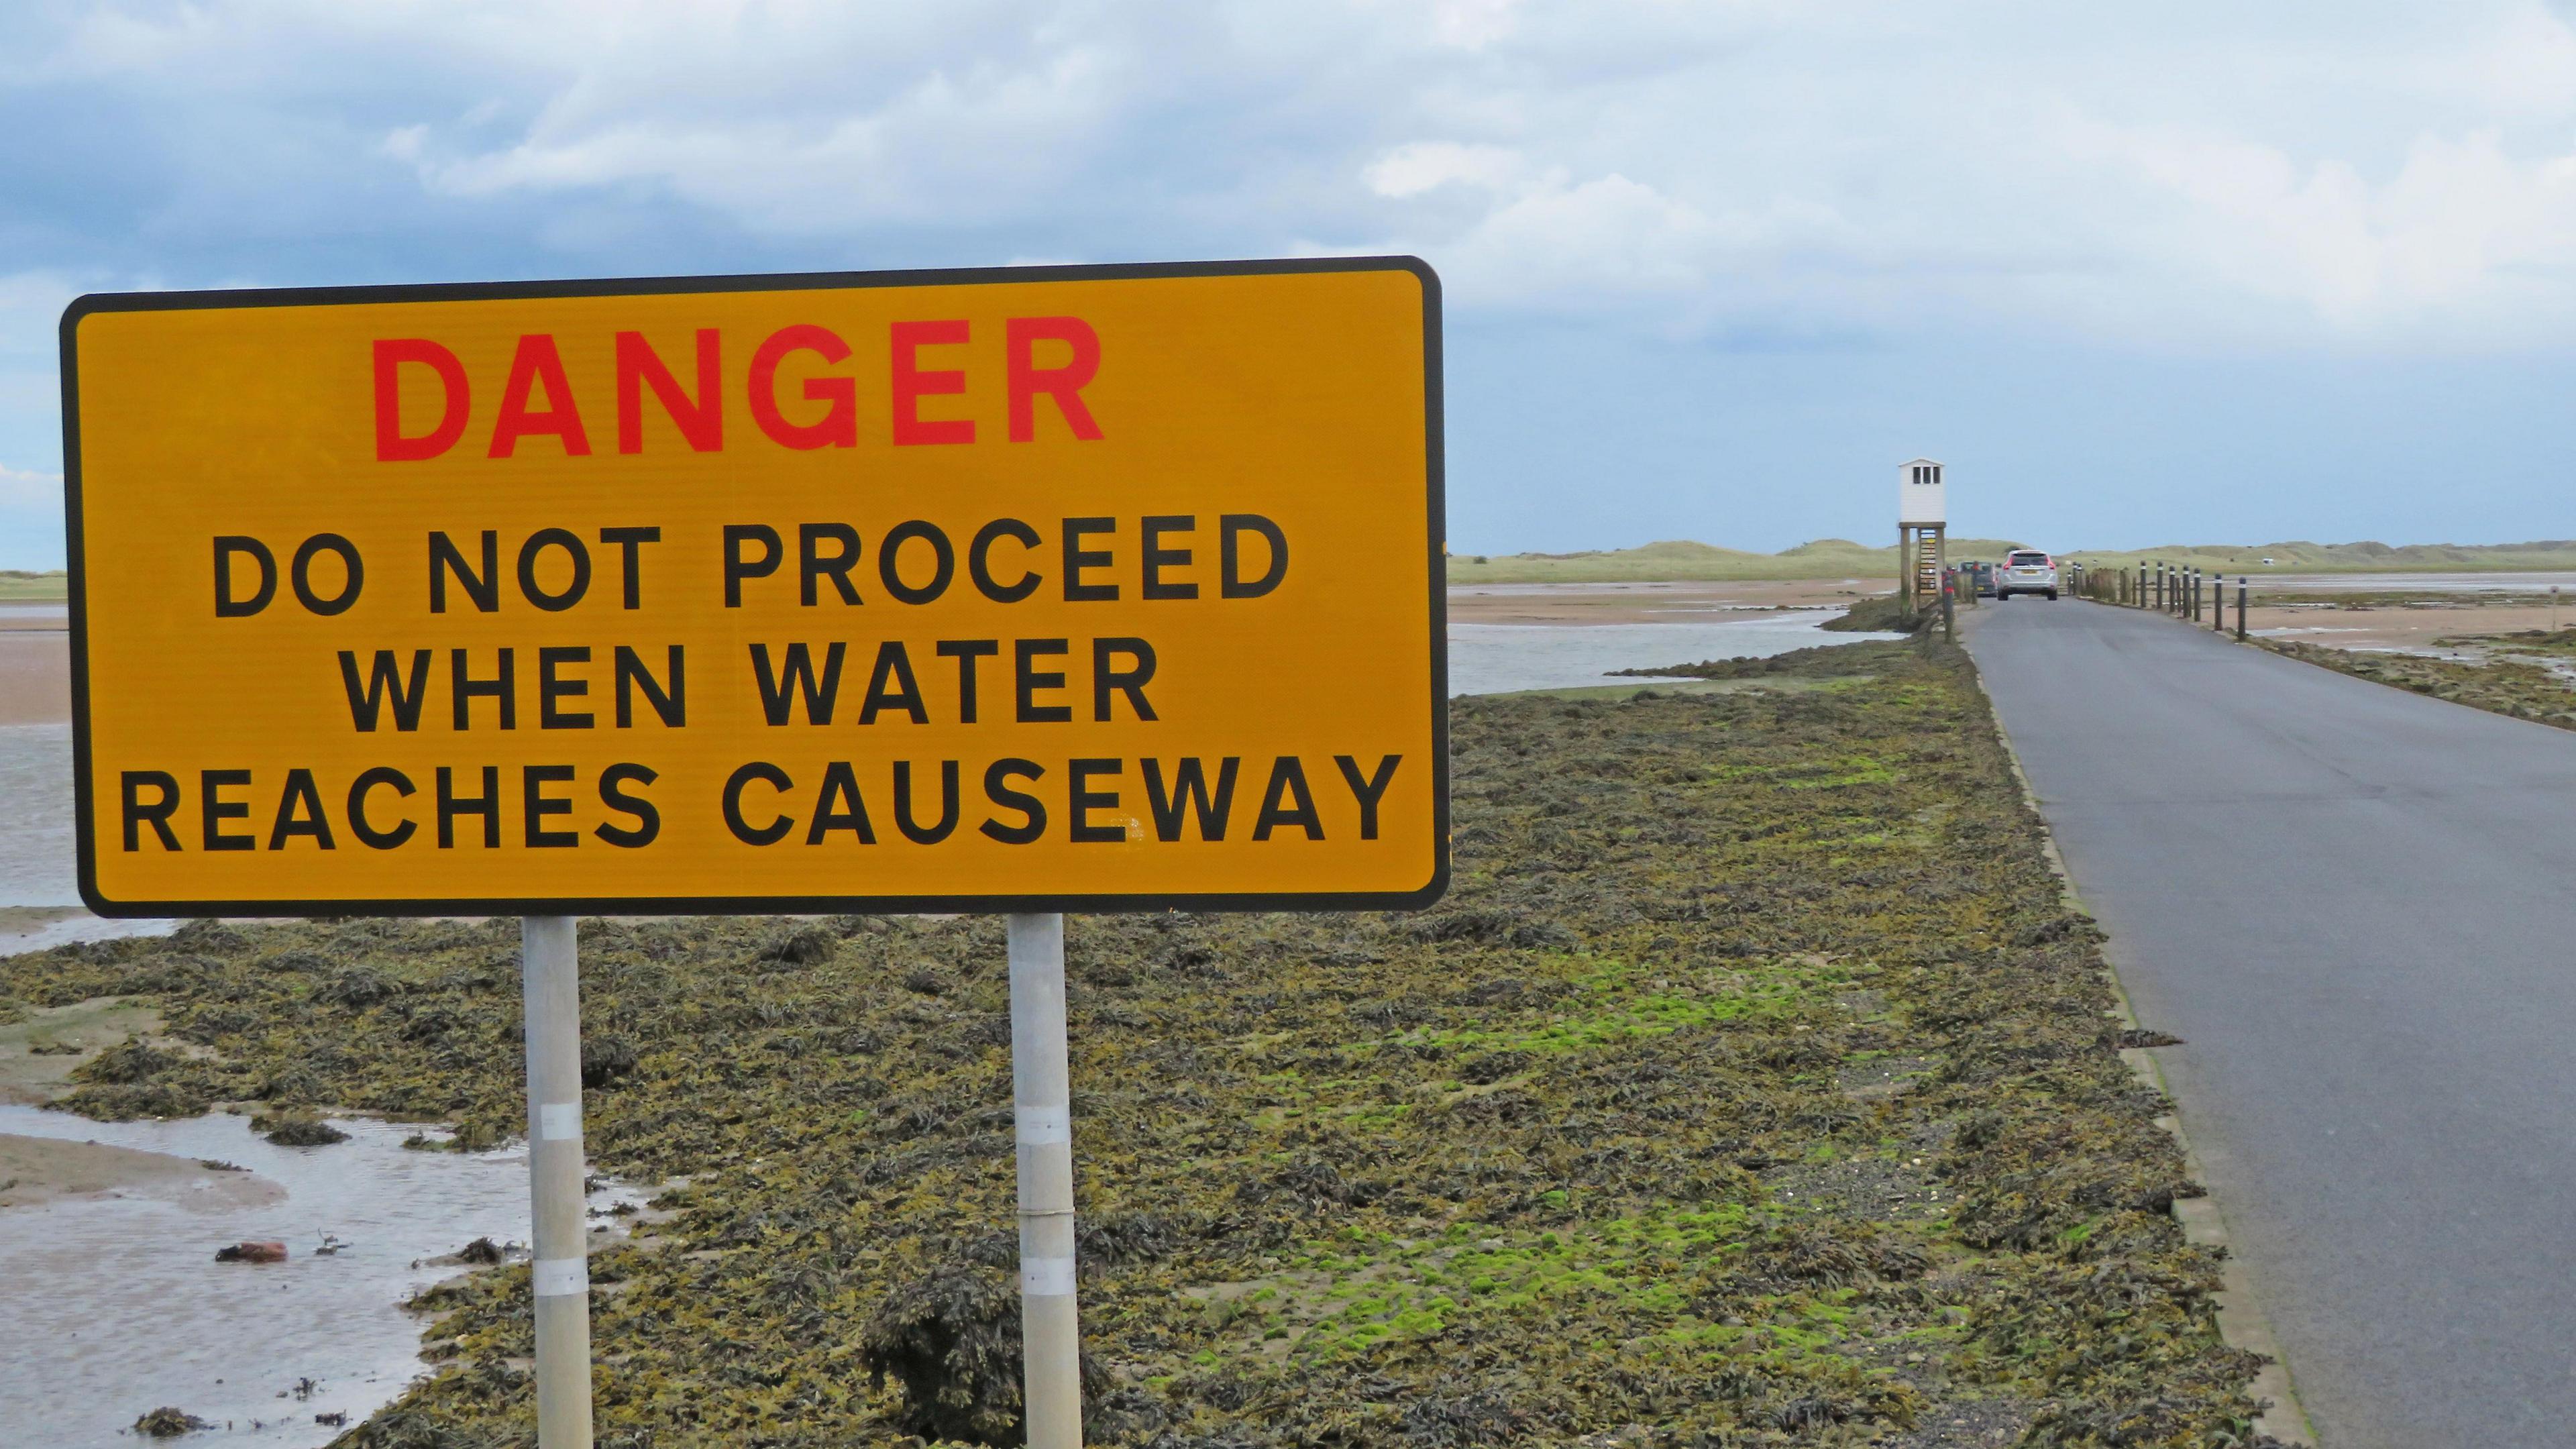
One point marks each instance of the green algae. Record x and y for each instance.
(1570, 1155)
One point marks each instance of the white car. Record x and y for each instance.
(2026, 571)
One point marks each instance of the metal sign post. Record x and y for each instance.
(562, 1268)
(1042, 1110)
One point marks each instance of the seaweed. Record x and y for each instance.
(1884, 614)
(952, 1340)
(169, 1423)
(297, 1129)
(1753, 1085)
(2524, 677)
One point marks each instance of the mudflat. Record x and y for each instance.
(39, 1049)
(2397, 626)
(37, 1054)
(38, 1170)
(35, 676)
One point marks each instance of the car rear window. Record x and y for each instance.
(2029, 558)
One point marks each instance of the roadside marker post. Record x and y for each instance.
(1042, 1113)
(560, 1274)
(2240, 608)
(1014, 591)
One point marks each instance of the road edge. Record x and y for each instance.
(2241, 1320)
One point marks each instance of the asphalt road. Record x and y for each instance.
(2354, 906)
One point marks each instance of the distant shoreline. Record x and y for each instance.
(24, 586)
(1686, 561)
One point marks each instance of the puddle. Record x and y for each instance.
(111, 1307)
(1499, 658)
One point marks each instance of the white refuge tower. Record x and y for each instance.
(1922, 533)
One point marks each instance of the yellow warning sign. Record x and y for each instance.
(1069, 588)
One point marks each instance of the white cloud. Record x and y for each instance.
(1410, 170)
(1474, 24)
(2360, 173)
(23, 488)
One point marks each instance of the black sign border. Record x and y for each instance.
(1435, 568)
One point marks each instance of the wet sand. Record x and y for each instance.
(35, 1067)
(38, 1170)
(35, 676)
(2396, 626)
(37, 1055)
(2444, 583)
(1664, 603)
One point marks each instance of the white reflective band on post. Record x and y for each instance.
(558, 1120)
(1046, 1277)
(1044, 1126)
(559, 1277)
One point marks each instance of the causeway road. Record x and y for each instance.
(2357, 907)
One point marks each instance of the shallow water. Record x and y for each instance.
(36, 791)
(112, 1307)
(2516, 583)
(36, 850)
(1500, 658)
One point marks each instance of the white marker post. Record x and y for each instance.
(1050, 1330)
(551, 973)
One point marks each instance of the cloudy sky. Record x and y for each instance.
(2138, 273)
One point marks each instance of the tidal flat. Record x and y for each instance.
(2527, 674)
(1753, 1085)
